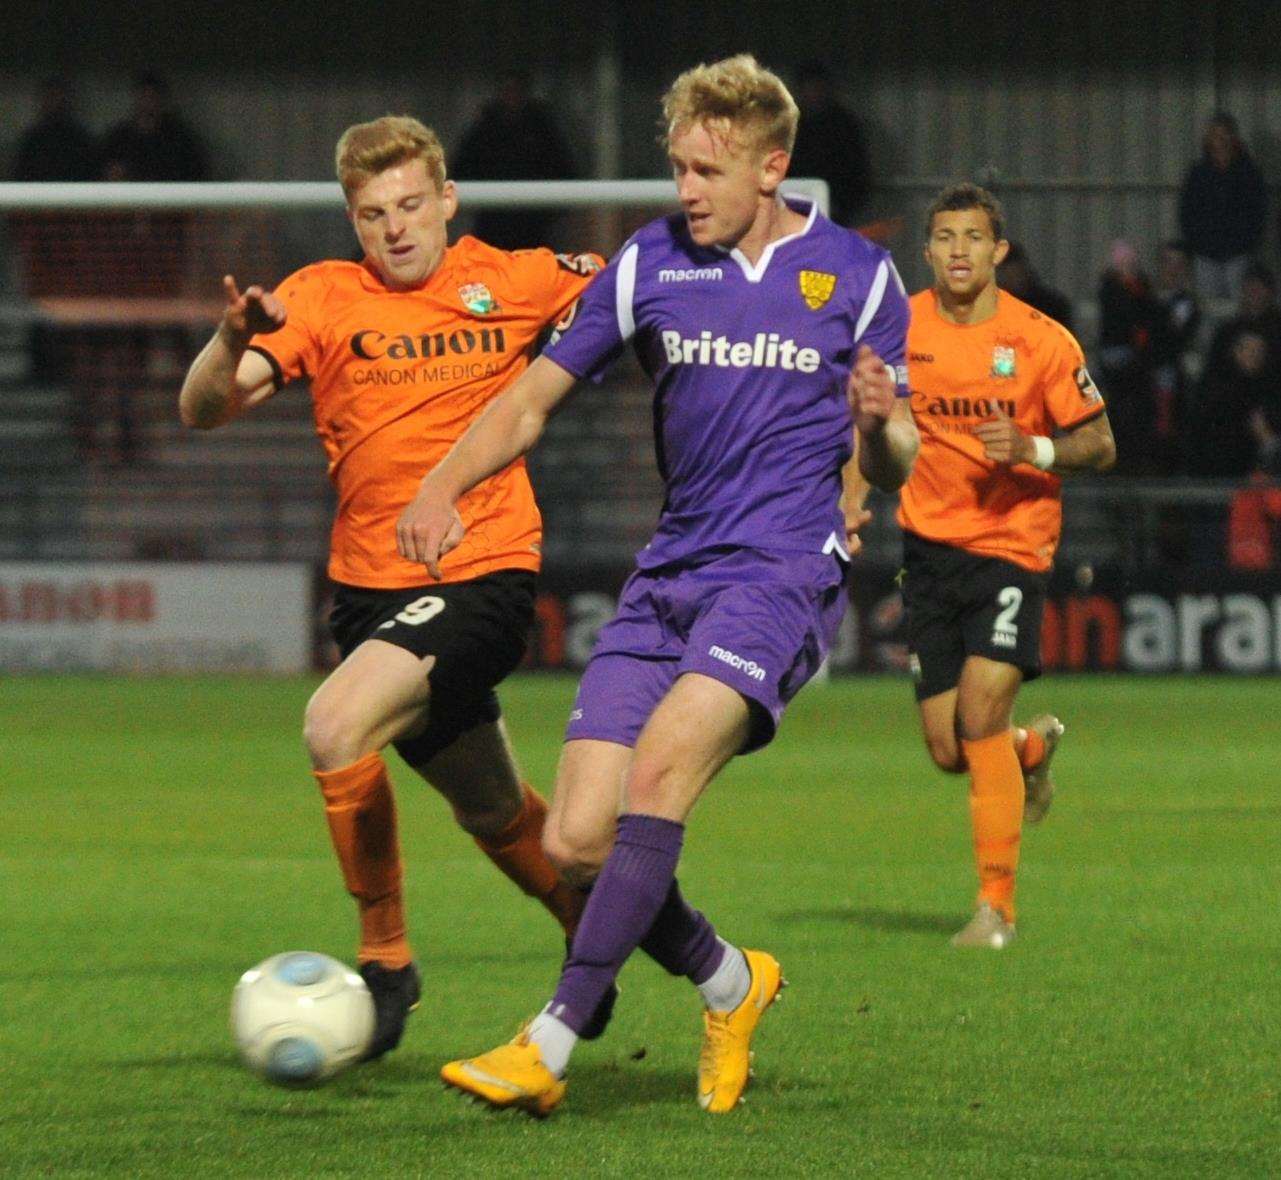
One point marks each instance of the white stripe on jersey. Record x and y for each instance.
(625, 291)
(874, 297)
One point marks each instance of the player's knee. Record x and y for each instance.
(576, 856)
(328, 735)
(945, 752)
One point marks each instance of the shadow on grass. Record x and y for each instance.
(890, 921)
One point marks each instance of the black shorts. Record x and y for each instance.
(477, 631)
(960, 604)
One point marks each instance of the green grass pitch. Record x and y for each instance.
(160, 836)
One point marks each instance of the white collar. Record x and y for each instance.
(754, 274)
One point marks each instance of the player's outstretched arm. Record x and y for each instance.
(1088, 447)
(885, 436)
(225, 379)
(430, 526)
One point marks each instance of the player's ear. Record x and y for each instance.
(1002, 249)
(449, 198)
(772, 169)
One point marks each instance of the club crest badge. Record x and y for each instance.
(1003, 361)
(816, 287)
(477, 298)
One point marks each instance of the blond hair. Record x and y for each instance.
(366, 149)
(737, 93)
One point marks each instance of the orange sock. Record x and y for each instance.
(518, 851)
(1032, 750)
(362, 822)
(996, 810)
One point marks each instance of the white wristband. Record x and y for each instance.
(1043, 452)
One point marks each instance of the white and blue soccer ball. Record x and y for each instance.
(300, 1018)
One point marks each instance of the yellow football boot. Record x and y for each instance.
(511, 1075)
(724, 1065)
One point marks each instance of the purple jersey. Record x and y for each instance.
(751, 421)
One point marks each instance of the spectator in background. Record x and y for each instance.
(57, 146)
(155, 142)
(1129, 323)
(515, 138)
(1177, 326)
(1018, 276)
(1222, 209)
(831, 144)
(1257, 312)
(1235, 415)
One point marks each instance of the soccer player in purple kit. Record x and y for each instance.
(768, 332)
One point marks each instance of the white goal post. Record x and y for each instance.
(245, 194)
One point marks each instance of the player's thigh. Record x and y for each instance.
(695, 730)
(938, 726)
(985, 697)
(583, 817)
(762, 626)
(1002, 626)
(478, 775)
(377, 693)
(469, 635)
(933, 577)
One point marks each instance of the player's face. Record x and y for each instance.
(721, 182)
(399, 218)
(963, 252)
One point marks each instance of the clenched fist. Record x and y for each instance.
(871, 391)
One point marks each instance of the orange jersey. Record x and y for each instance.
(1030, 366)
(397, 376)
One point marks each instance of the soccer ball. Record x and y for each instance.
(301, 1017)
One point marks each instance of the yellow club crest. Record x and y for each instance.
(816, 288)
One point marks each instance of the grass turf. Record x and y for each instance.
(160, 836)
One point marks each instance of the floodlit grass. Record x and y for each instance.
(161, 836)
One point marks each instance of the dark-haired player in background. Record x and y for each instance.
(1004, 405)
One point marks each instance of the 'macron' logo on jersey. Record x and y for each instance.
(690, 274)
(766, 350)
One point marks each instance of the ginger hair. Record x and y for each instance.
(366, 149)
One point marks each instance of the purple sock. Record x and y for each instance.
(628, 894)
(682, 941)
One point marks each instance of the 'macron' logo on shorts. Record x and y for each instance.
(749, 667)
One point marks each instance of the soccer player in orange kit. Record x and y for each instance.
(1004, 405)
(402, 351)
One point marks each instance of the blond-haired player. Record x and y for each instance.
(759, 322)
(402, 351)
(1005, 406)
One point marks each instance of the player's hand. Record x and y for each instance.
(1003, 442)
(853, 522)
(428, 529)
(871, 392)
(251, 311)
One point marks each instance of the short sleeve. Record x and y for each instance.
(294, 350)
(603, 322)
(1071, 397)
(882, 324)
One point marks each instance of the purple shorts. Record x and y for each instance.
(759, 622)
